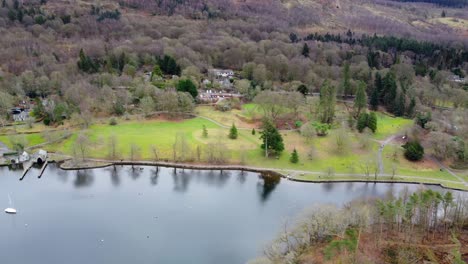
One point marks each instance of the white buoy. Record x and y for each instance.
(10, 211)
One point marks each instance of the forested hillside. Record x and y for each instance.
(79, 60)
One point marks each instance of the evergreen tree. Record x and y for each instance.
(122, 61)
(86, 64)
(293, 37)
(187, 86)
(272, 139)
(372, 122)
(294, 157)
(169, 65)
(205, 132)
(327, 103)
(156, 72)
(347, 89)
(378, 86)
(360, 102)
(233, 132)
(374, 100)
(411, 107)
(389, 91)
(443, 13)
(400, 105)
(413, 151)
(305, 50)
(362, 122)
(303, 89)
(253, 131)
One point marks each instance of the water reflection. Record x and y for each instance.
(268, 186)
(241, 177)
(154, 176)
(181, 180)
(115, 175)
(328, 186)
(135, 172)
(84, 178)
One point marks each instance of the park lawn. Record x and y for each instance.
(31, 139)
(141, 133)
(226, 118)
(324, 154)
(388, 126)
(424, 168)
(251, 111)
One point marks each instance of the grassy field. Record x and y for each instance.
(325, 156)
(387, 126)
(142, 133)
(29, 139)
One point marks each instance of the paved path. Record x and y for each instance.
(448, 170)
(379, 155)
(3, 148)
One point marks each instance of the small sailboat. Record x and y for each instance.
(10, 210)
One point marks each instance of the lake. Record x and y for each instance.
(126, 215)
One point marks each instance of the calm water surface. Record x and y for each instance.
(140, 216)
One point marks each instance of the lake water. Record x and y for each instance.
(140, 216)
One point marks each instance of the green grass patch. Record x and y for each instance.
(29, 139)
(387, 125)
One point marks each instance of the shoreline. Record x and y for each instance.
(269, 172)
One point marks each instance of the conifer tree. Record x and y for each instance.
(400, 105)
(272, 139)
(305, 50)
(374, 100)
(372, 122)
(390, 91)
(360, 102)
(253, 131)
(327, 103)
(411, 107)
(362, 122)
(294, 157)
(347, 89)
(233, 132)
(378, 86)
(205, 132)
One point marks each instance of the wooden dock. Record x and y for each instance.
(28, 165)
(43, 169)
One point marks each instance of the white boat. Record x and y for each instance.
(10, 211)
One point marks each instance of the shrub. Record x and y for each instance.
(413, 151)
(113, 121)
(321, 128)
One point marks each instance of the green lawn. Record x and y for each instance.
(387, 125)
(29, 139)
(162, 134)
(142, 133)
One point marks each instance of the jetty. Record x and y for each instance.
(43, 169)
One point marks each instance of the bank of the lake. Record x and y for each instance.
(293, 175)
